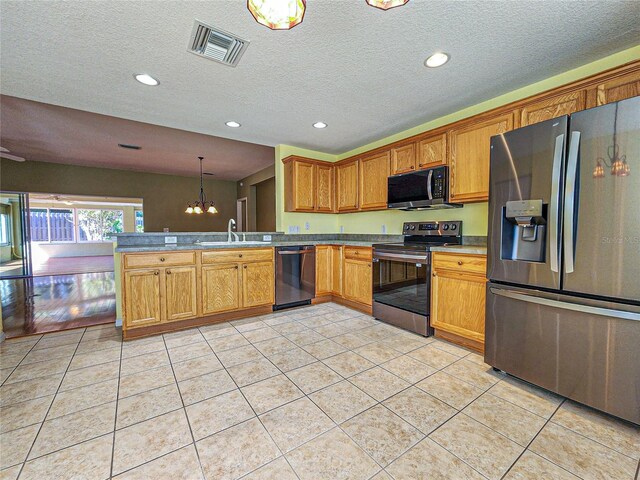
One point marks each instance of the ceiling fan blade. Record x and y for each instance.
(15, 158)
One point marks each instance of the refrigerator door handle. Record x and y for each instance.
(429, 180)
(555, 202)
(576, 307)
(569, 201)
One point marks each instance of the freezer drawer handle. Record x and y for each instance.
(569, 201)
(605, 312)
(555, 202)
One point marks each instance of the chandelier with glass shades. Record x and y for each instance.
(201, 205)
(286, 14)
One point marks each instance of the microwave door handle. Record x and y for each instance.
(429, 179)
(555, 202)
(569, 202)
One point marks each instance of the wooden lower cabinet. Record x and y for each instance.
(181, 297)
(220, 288)
(323, 270)
(458, 285)
(142, 297)
(357, 281)
(258, 286)
(336, 270)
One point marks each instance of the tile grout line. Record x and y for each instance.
(26, 459)
(526, 449)
(115, 417)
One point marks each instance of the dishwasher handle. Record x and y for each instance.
(295, 252)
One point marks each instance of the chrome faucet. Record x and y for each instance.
(232, 224)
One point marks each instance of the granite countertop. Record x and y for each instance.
(475, 249)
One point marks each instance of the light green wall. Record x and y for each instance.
(474, 216)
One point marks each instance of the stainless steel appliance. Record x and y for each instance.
(420, 190)
(402, 274)
(563, 301)
(295, 276)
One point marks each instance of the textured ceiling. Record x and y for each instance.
(358, 68)
(49, 133)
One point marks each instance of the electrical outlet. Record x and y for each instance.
(341, 228)
(292, 229)
(165, 229)
(266, 238)
(170, 239)
(384, 229)
(307, 226)
(297, 228)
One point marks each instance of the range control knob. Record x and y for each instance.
(453, 226)
(406, 227)
(413, 227)
(445, 227)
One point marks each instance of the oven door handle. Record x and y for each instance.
(400, 257)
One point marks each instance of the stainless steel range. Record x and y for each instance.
(402, 274)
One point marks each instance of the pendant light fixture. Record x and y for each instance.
(277, 14)
(617, 164)
(386, 4)
(201, 205)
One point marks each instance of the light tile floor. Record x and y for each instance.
(321, 392)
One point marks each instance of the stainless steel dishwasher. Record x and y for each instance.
(295, 276)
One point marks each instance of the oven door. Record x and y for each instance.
(401, 284)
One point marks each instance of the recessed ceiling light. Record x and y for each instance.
(436, 60)
(232, 124)
(146, 79)
(320, 125)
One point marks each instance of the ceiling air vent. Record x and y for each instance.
(216, 44)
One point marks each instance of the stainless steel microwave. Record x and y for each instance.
(420, 190)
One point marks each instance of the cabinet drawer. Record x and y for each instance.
(475, 264)
(159, 259)
(357, 253)
(238, 255)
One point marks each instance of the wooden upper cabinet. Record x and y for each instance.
(181, 297)
(324, 187)
(372, 187)
(553, 107)
(257, 284)
(469, 157)
(299, 181)
(403, 159)
(323, 270)
(432, 151)
(613, 90)
(220, 288)
(347, 186)
(142, 298)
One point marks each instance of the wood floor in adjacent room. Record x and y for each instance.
(320, 392)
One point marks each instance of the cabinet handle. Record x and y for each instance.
(368, 264)
(459, 262)
(412, 167)
(162, 259)
(168, 272)
(156, 273)
(240, 255)
(434, 274)
(245, 266)
(420, 164)
(236, 267)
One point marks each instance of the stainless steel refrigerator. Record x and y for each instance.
(563, 298)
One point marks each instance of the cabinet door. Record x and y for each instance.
(614, 90)
(142, 297)
(469, 157)
(432, 152)
(347, 186)
(372, 187)
(220, 288)
(323, 270)
(457, 303)
(181, 297)
(299, 185)
(336, 270)
(565, 104)
(357, 281)
(258, 286)
(403, 159)
(324, 188)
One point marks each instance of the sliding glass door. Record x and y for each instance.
(15, 247)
